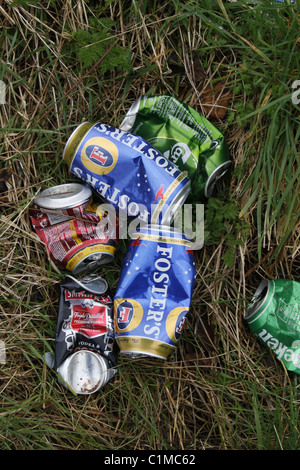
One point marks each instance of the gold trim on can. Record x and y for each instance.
(165, 200)
(135, 345)
(163, 239)
(106, 251)
(75, 140)
(63, 196)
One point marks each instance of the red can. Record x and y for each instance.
(78, 234)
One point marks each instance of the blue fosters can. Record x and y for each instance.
(127, 172)
(154, 293)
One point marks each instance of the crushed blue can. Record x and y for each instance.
(154, 293)
(127, 172)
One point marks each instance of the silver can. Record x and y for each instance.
(64, 196)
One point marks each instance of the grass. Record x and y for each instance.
(62, 63)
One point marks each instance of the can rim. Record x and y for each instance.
(129, 119)
(71, 136)
(162, 229)
(53, 197)
(140, 355)
(214, 176)
(85, 286)
(257, 303)
(104, 258)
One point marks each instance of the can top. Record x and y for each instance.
(259, 299)
(86, 372)
(178, 202)
(74, 140)
(63, 196)
(214, 177)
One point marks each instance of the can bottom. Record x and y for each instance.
(140, 355)
(74, 140)
(84, 372)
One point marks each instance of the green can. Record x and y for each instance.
(274, 317)
(184, 137)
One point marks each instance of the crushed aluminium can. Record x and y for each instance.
(274, 317)
(85, 356)
(127, 172)
(77, 234)
(184, 137)
(154, 292)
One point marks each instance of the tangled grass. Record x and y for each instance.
(66, 62)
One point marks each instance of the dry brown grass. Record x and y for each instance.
(221, 390)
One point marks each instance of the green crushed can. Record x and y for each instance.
(184, 137)
(274, 317)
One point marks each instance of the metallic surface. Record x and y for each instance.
(273, 316)
(183, 136)
(154, 292)
(63, 196)
(85, 372)
(84, 357)
(127, 172)
(68, 223)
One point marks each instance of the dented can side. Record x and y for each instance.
(85, 358)
(154, 293)
(127, 172)
(184, 137)
(77, 234)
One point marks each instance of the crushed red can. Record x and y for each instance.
(154, 292)
(77, 233)
(85, 358)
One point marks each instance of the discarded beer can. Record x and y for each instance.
(184, 137)
(85, 358)
(127, 172)
(77, 234)
(274, 317)
(154, 292)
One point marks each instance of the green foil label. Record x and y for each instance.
(184, 137)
